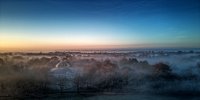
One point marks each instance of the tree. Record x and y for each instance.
(1, 62)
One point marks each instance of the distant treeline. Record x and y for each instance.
(23, 76)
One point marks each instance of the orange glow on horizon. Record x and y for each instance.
(26, 43)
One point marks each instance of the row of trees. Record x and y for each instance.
(30, 77)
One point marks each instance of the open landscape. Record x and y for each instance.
(99, 49)
(86, 74)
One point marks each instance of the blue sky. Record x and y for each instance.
(131, 23)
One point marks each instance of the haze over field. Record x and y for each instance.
(100, 49)
(110, 75)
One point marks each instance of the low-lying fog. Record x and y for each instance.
(91, 73)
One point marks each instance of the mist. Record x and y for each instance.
(155, 73)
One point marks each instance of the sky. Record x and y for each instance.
(84, 24)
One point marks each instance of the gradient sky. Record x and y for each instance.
(76, 24)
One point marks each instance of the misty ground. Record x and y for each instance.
(101, 74)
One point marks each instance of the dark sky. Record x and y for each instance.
(153, 23)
